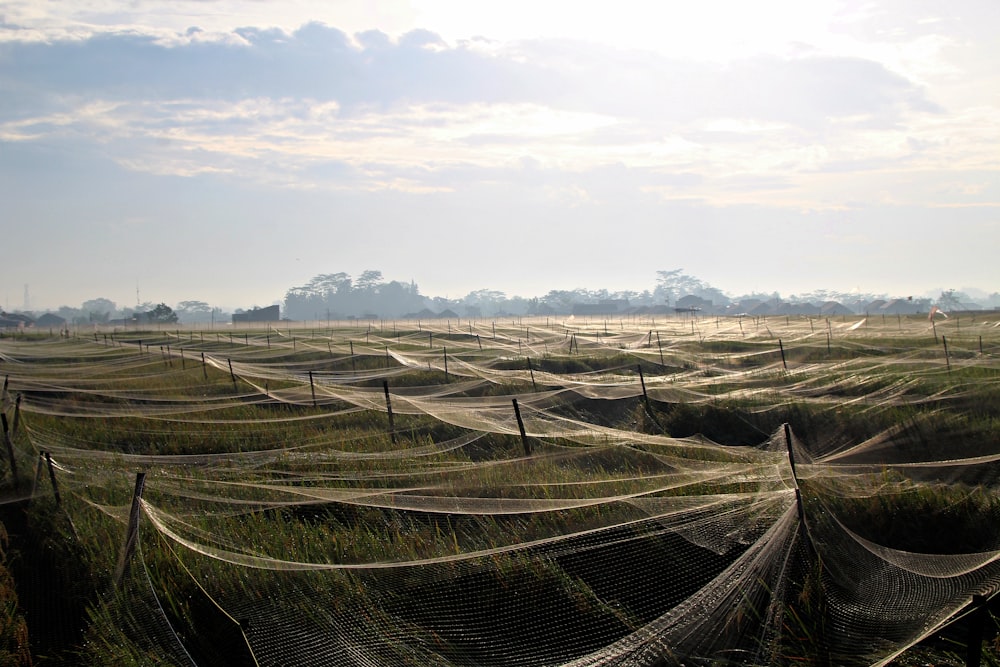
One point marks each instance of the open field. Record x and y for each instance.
(684, 491)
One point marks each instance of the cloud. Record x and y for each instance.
(371, 69)
(316, 108)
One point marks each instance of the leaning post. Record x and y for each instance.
(520, 427)
(132, 532)
(388, 407)
(52, 477)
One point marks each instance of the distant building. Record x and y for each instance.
(831, 308)
(908, 306)
(692, 303)
(14, 321)
(50, 320)
(268, 314)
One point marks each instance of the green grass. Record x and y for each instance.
(256, 471)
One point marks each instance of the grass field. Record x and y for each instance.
(685, 491)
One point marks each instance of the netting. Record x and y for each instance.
(684, 492)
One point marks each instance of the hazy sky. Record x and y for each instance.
(226, 151)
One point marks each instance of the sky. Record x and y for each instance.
(226, 151)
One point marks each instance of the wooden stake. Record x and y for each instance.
(231, 374)
(520, 427)
(642, 382)
(312, 388)
(204, 368)
(52, 478)
(947, 361)
(388, 407)
(132, 532)
(791, 456)
(532, 371)
(782, 348)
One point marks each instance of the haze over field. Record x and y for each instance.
(226, 151)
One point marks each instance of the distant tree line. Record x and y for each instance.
(337, 296)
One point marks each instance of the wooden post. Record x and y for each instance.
(10, 448)
(132, 532)
(231, 374)
(659, 346)
(828, 350)
(782, 348)
(532, 371)
(312, 388)
(52, 478)
(934, 328)
(204, 368)
(791, 456)
(479, 340)
(947, 361)
(642, 382)
(520, 427)
(445, 350)
(430, 339)
(183, 364)
(388, 407)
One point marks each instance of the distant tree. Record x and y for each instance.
(561, 300)
(486, 302)
(194, 311)
(951, 300)
(162, 314)
(369, 280)
(98, 310)
(674, 284)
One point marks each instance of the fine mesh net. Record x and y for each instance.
(685, 491)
